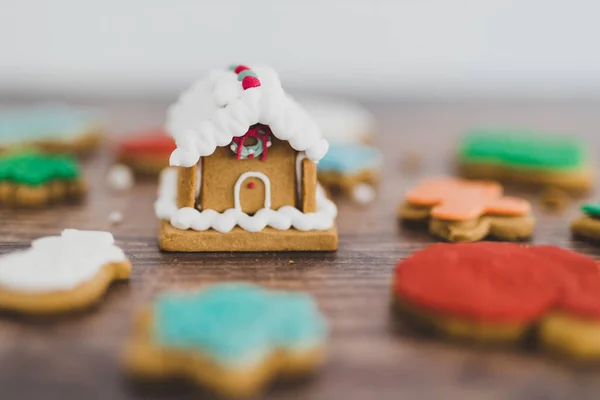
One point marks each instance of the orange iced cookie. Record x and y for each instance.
(461, 210)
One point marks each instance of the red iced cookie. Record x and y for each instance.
(581, 292)
(499, 282)
(150, 143)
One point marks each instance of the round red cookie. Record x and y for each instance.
(581, 291)
(153, 142)
(483, 281)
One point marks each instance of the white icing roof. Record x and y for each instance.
(217, 108)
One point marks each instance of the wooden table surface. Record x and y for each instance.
(371, 356)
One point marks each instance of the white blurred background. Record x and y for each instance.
(368, 49)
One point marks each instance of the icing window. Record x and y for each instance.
(253, 144)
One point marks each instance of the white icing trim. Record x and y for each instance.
(59, 262)
(284, 218)
(238, 185)
(300, 156)
(216, 109)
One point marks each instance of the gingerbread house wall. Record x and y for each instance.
(221, 171)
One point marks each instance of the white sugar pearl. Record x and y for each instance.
(115, 217)
(363, 193)
(120, 177)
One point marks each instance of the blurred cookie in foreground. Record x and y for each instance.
(31, 179)
(232, 338)
(526, 157)
(351, 166)
(146, 153)
(588, 225)
(53, 128)
(504, 293)
(340, 121)
(461, 210)
(59, 274)
(352, 169)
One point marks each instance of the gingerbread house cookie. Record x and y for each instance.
(245, 175)
(460, 210)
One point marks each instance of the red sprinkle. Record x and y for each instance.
(250, 82)
(251, 185)
(240, 68)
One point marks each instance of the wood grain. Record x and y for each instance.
(371, 354)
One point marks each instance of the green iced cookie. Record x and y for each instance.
(37, 169)
(591, 209)
(521, 148)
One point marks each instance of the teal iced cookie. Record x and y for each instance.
(44, 122)
(238, 324)
(350, 158)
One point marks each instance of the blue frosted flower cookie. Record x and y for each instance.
(54, 128)
(353, 169)
(232, 338)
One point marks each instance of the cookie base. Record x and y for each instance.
(586, 227)
(346, 182)
(461, 328)
(19, 195)
(575, 181)
(269, 239)
(145, 359)
(62, 301)
(499, 227)
(571, 336)
(145, 166)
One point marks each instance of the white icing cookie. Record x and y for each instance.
(56, 263)
(340, 121)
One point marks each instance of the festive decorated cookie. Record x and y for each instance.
(232, 338)
(504, 292)
(352, 169)
(63, 273)
(341, 121)
(351, 166)
(588, 225)
(146, 153)
(246, 176)
(51, 128)
(36, 180)
(526, 157)
(460, 210)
